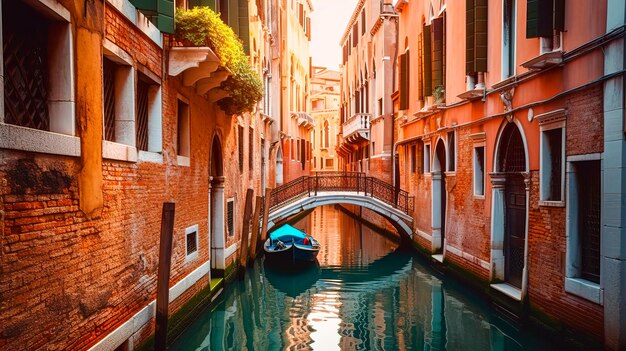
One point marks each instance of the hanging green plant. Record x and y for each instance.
(201, 26)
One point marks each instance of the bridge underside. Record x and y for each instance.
(397, 218)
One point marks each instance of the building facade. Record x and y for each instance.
(325, 113)
(512, 153)
(296, 122)
(366, 79)
(107, 116)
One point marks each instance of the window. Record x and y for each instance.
(240, 147)
(584, 227)
(251, 151)
(330, 163)
(148, 114)
(451, 152)
(404, 80)
(508, 38)
(476, 18)
(191, 240)
(38, 89)
(546, 20)
(230, 216)
(413, 158)
(380, 107)
(183, 145)
(363, 22)
(552, 165)
(479, 171)
(326, 142)
(118, 100)
(427, 158)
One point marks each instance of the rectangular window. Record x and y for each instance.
(191, 240)
(404, 80)
(108, 87)
(230, 216)
(380, 107)
(552, 173)
(330, 163)
(427, 158)
(508, 38)
(363, 22)
(183, 145)
(142, 107)
(240, 147)
(588, 187)
(479, 171)
(251, 151)
(413, 158)
(451, 152)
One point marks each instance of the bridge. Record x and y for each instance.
(354, 188)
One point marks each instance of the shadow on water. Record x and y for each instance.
(384, 301)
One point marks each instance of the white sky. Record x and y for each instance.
(328, 21)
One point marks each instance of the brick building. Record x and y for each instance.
(514, 153)
(325, 113)
(106, 117)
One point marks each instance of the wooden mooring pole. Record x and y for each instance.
(245, 232)
(266, 212)
(256, 220)
(163, 278)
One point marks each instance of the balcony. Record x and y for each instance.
(303, 119)
(357, 128)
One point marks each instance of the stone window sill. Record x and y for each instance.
(548, 203)
(117, 151)
(148, 156)
(585, 289)
(183, 161)
(35, 140)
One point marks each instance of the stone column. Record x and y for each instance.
(613, 235)
(498, 180)
(525, 269)
(436, 195)
(218, 260)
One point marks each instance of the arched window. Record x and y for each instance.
(326, 134)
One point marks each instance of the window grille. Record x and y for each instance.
(142, 114)
(108, 85)
(25, 39)
(555, 143)
(451, 152)
(230, 209)
(192, 242)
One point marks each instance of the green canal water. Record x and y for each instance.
(364, 294)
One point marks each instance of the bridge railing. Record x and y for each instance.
(342, 181)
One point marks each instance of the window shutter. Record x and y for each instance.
(437, 52)
(480, 36)
(404, 81)
(559, 15)
(355, 34)
(244, 25)
(469, 37)
(427, 60)
(161, 13)
(540, 18)
(420, 65)
(308, 28)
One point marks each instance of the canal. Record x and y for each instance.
(365, 294)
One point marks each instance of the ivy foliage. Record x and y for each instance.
(201, 26)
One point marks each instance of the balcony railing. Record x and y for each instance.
(357, 128)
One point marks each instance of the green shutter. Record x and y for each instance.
(244, 25)
(404, 81)
(559, 15)
(437, 51)
(540, 18)
(480, 36)
(160, 12)
(428, 73)
(469, 37)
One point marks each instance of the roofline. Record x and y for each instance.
(355, 14)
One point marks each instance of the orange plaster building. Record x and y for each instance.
(509, 136)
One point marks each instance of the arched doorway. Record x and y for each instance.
(279, 166)
(216, 209)
(438, 192)
(510, 189)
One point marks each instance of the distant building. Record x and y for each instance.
(325, 113)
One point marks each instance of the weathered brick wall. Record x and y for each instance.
(66, 280)
(585, 121)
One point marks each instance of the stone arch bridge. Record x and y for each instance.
(327, 188)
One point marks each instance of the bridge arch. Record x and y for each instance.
(399, 220)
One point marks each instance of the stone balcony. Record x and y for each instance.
(357, 128)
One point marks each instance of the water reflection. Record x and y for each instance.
(363, 295)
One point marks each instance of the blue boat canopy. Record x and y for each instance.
(287, 233)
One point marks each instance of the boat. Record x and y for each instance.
(291, 245)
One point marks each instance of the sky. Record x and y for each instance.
(328, 22)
